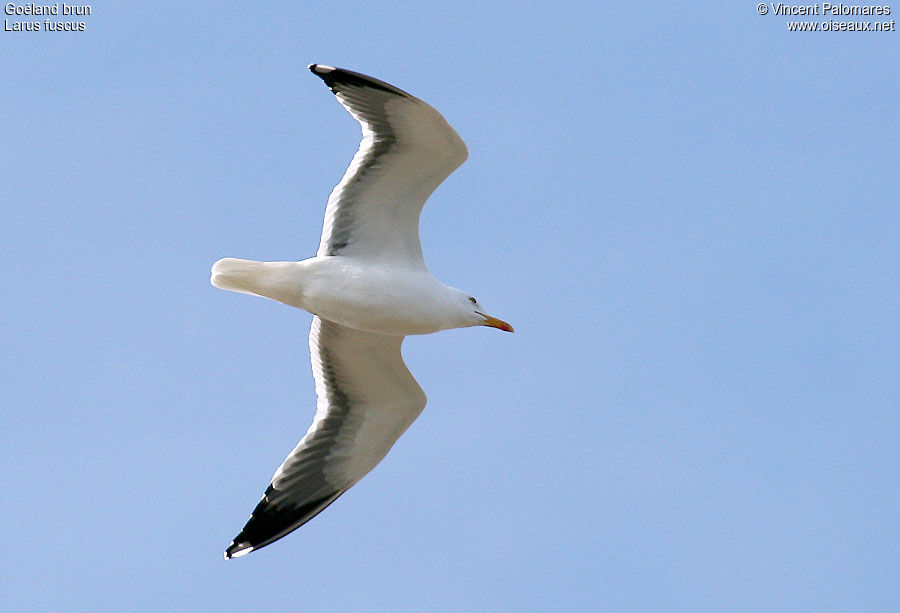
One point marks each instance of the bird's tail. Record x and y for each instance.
(279, 281)
(237, 275)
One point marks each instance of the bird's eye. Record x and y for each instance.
(472, 300)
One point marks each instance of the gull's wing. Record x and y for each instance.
(406, 151)
(367, 399)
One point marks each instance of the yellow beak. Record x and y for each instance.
(493, 322)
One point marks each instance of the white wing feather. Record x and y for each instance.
(367, 399)
(407, 150)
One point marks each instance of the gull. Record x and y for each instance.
(367, 288)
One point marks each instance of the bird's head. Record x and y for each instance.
(476, 316)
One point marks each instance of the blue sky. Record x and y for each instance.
(689, 213)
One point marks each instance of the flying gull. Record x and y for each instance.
(368, 288)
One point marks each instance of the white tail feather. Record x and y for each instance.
(236, 275)
(275, 280)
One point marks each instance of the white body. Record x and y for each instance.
(378, 298)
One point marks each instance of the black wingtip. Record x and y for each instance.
(268, 523)
(236, 550)
(335, 77)
(320, 69)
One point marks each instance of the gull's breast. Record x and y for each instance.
(374, 297)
